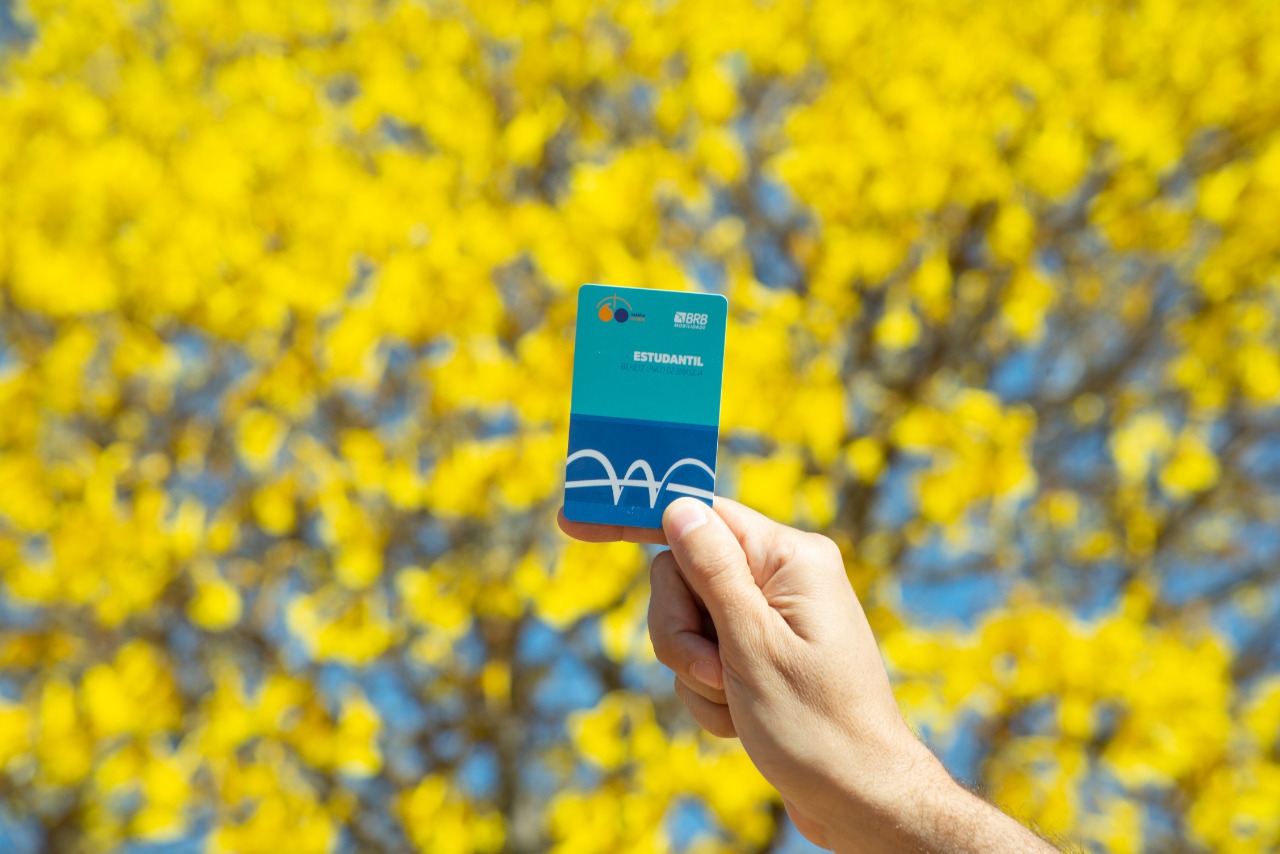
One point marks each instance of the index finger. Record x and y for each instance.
(590, 532)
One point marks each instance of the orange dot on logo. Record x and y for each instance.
(605, 313)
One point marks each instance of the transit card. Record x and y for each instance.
(645, 415)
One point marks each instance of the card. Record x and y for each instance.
(645, 416)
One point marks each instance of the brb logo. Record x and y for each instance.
(691, 320)
(616, 308)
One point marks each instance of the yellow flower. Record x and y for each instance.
(1220, 190)
(334, 627)
(1054, 161)
(440, 820)
(216, 605)
(865, 456)
(769, 484)
(495, 683)
(273, 506)
(64, 747)
(712, 94)
(585, 578)
(1192, 468)
(435, 598)
(288, 294)
(721, 155)
(1013, 234)
(898, 329)
(259, 437)
(1137, 442)
(1029, 298)
(931, 286)
(358, 565)
(166, 789)
(15, 732)
(355, 742)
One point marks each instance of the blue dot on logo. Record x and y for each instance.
(621, 315)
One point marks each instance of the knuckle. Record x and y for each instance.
(664, 643)
(662, 649)
(826, 550)
(667, 651)
(826, 555)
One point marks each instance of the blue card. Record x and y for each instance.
(645, 416)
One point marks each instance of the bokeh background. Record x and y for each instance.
(286, 314)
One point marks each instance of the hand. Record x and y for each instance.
(769, 644)
(796, 673)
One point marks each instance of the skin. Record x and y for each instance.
(769, 644)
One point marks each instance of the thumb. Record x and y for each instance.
(713, 563)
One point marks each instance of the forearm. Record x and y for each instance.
(922, 809)
(948, 817)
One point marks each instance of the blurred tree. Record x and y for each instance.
(286, 305)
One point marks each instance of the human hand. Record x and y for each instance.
(770, 644)
(795, 672)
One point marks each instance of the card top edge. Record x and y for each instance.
(721, 297)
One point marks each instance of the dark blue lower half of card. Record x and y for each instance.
(624, 471)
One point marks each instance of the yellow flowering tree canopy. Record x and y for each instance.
(286, 311)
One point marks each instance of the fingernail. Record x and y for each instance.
(685, 515)
(705, 672)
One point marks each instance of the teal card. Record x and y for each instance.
(645, 417)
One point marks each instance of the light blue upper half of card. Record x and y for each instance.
(647, 354)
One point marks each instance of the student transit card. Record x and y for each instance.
(644, 420)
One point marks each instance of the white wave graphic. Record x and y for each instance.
(655, 487)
